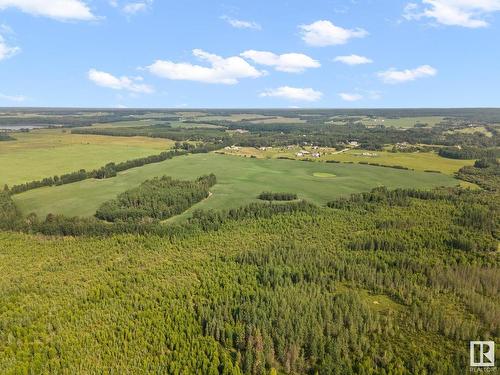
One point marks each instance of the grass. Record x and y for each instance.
(403, 122)
(324, 175)
(43, 153)
(473, 130)
(419, 161)
(240, 181)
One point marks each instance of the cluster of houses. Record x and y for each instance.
(303, 153)
(402, 145)
(315, 150)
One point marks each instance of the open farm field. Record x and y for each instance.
(419, 161)
(402, 122)
(44, 153)
(474, 129)
(240, 180)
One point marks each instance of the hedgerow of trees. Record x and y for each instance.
(6, 137)
(269, 196)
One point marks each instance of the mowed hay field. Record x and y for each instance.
(419, 161)
(240, 180)
(45, 153)
(404, 122)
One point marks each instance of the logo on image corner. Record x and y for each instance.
(482, 354)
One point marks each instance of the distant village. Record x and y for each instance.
(314, 151)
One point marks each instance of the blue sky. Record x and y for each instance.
(198, 53)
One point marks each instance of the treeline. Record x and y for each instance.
(386, 166)
(268, 196)
(468, 153)
(6, 137)
(202, 220)
(108, 171)
(159, 199)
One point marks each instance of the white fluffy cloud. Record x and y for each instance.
(6, 50)
(324, 33)
(288, 62)
(465, 13)
(353, 60)
(136, 7)
(394, 76)
(108, 80)
(350, 97)
(131, 8)
(241, 24)
(13, 98)
(62, 10)
(294, 93)
(222, 70)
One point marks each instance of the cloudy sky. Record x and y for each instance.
(259, 53)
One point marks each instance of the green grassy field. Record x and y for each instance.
(44, 153)
(403, 122)
(473, 130)
(419, 161)
(240, 180)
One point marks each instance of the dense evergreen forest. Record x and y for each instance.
(393, 282)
